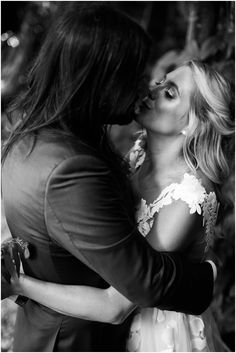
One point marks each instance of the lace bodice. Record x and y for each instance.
(190, 190)
(153, 329)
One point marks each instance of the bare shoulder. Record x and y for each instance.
(176, 176)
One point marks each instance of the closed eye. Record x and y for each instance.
(170, 93)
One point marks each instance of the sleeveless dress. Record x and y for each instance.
(155, 330)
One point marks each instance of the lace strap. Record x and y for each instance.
(191, 191)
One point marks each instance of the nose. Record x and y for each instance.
(152, 93)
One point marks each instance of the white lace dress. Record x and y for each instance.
(155, 330)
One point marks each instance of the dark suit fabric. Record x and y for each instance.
(66, 201)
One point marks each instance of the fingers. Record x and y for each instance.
(4, 272)
(7, 289)
(26, 252)
(16, 247)
(5, 245)
(15, 256)
(10, 248)
(23, 248)
(10, 266)
(12, 252)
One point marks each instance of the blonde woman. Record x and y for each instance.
(176, 167)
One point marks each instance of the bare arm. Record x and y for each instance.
(97, 227)
(110, 245)
(175, 228)
(88, 303)
(84, 302)
(108, 305)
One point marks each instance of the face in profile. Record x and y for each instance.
(166, 108)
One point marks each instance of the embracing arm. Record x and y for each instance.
(108, 305)
(175, 228)
(86, 214)
(84, 302)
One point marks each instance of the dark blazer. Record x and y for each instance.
(65, 200)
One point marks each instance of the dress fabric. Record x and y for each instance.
(155, 330)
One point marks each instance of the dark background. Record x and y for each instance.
(180, 30)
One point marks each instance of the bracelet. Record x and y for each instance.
(21, 300)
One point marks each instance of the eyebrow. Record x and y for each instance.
(172, 83)
(161, 81)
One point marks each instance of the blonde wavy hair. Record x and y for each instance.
(210, 123)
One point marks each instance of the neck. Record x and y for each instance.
(163, 152)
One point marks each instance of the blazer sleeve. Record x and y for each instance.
(86, 214)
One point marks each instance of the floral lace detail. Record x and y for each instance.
(190, 190)
(197, 333)
(171, 331)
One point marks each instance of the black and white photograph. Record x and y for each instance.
(117, 176)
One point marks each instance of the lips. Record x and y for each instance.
(143, 104)
(147, 103)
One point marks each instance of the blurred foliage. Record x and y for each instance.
(180, 31)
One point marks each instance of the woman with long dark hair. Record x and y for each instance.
(82, 61)
(65, 192)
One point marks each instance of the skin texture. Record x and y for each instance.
(166, 111)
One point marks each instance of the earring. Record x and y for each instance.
(183, 132)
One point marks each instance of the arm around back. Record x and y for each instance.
(86, 213)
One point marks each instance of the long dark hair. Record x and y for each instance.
(86, 75)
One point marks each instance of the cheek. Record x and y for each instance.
(169, 116)
(174, 109)
(164, 108)
(147, 119)
(164, 105)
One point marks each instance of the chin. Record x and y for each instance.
(143, 120)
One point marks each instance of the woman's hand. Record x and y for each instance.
(6, 288)
(10, 276)
(12, 251)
